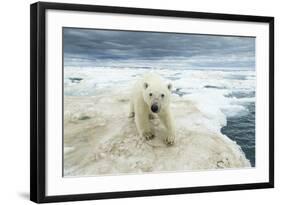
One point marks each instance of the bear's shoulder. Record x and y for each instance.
(152, 77)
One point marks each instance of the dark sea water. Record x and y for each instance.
(242, 129)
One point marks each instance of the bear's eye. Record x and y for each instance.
(162, 95)
(150, 94)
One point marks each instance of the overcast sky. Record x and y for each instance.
(106, 47)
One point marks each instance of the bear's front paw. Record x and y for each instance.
(170, 140)
(148, 135)
(131, 115)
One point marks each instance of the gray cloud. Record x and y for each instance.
(91, 45)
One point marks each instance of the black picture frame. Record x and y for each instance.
(38, 101)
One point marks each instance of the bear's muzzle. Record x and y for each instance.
(155, 108)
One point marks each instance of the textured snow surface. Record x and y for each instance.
(100, 139)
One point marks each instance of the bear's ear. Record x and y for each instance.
(145, 85)
(169, 86)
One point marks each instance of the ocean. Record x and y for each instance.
(226, 94)
(242, 130)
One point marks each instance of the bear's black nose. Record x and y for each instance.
(154, 108)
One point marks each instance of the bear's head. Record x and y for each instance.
(156, 96)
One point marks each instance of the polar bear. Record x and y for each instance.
(151, 96)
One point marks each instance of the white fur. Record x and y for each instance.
(141, 102)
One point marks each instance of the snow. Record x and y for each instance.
(100, 139)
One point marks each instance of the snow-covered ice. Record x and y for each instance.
(100, 139)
